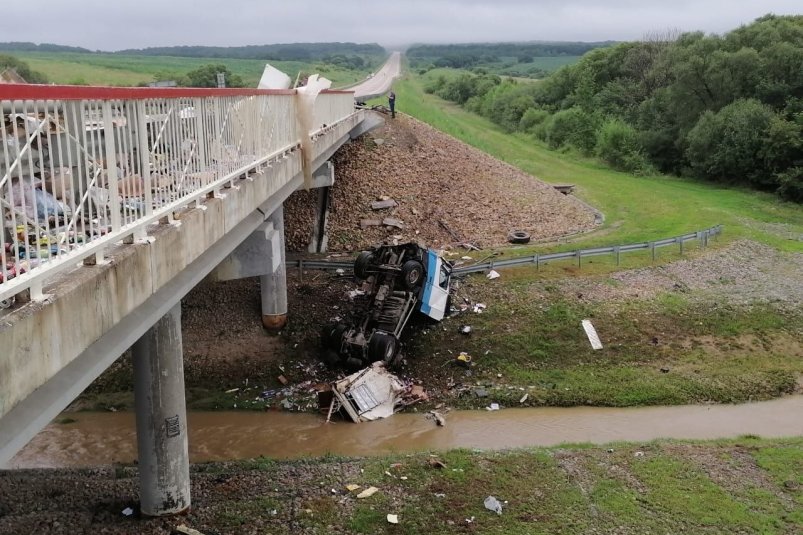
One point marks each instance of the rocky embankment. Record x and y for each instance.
(447, 192)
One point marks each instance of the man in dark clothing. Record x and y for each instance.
(392, 103)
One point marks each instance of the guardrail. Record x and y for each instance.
(701, 236)
(83, 168)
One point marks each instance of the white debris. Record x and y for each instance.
(393, 519)
(479, 307)
(493, 275)
(492, 504)
(492, 407)
(369, 394)
(128, 511)
(591, 332)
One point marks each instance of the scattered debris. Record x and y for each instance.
(128, 511)
(479, 307)
(393, 222)
(365, 223)
(184, 530)
(368, 394)
(383, 205)
(493, 274)
(492, 504)
(463, 359)
(352, 487)
(232, 391)
(393, 519)
(639, 454)
(434, 462)
(493, 407)
(480, 392)
(524, 398)
(470, 520)
(665, 369)
(439, 419)
(591, 332)
(282, 379)
(370, 491)
(465, 329)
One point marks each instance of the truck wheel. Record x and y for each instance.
(412, 273)
(364, 259)
(336, 336)
(331, 358)
(518, 236)
(381, 347)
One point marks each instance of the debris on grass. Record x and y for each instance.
(592, 335)
(393, 519)
(367, 493)
(493, 274)
(492, 504)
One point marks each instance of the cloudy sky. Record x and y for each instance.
(118, 24)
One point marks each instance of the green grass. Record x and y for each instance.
(113, 69)
(665, 487)
(667, 350)
(636, 208)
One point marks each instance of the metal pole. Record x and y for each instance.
(164, 468)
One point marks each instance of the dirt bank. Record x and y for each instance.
(435, 179)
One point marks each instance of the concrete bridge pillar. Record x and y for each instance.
(274, 282)
(164, 468)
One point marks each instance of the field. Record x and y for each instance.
(509, 66)
(113, 69)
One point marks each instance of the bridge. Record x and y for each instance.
(115, 203)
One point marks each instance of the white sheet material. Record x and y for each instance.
(591, 332)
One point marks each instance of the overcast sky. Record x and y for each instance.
(118, 24)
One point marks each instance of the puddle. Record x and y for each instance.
(103, 438)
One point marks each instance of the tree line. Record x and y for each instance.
(275, 52)
(723, 108)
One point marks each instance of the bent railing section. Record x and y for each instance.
(700, 236)
(84, 168)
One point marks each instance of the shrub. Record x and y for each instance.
(532, 117)
(573, 127)
(618, 144)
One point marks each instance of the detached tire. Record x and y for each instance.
(382, 347)
(364, 259)
(518, 236)
(412, 274)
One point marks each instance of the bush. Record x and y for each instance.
(618, 144)
(532, 117)
(573, 127)
(791, 184)
(729, 145)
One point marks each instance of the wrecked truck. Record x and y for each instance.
(398, 281)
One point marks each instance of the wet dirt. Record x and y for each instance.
(102, 438)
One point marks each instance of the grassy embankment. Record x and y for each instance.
(531, 333)
(747, 485)
(112, 69)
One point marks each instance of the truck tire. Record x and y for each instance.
(412, 274)
(382, 347)
(332, 335)
(518, 236)
(331, 358)
(364, 259)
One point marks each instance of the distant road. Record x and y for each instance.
(381, 81)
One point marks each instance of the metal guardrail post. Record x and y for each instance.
(652, 250)
(617, 252)
(579, 258)
(537, 262)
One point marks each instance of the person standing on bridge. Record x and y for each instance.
(392, 103)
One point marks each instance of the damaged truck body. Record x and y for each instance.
(398, 281)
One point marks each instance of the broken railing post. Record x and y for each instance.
(164, 468)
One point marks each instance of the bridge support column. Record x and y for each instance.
(164, 469)
(323, 179)
(274, 283)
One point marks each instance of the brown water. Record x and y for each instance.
(101, 438)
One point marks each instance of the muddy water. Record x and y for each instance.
(100, 438)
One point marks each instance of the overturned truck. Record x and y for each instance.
(399, 280)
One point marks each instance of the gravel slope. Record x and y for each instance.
(434, 178)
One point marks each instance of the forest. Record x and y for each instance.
(723, 108)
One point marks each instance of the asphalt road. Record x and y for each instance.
(381, 81)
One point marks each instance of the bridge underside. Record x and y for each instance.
(95, 313)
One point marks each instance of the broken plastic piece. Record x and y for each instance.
(493, 275)
(592, 335)
(370, 491)
(465, 329)
(352, 487)
(492, 407)
(393, 519)
(128, 511)
(492, 504)
(479, 307)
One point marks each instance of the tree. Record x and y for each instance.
(206, 76)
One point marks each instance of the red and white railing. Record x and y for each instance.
(82, 168)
